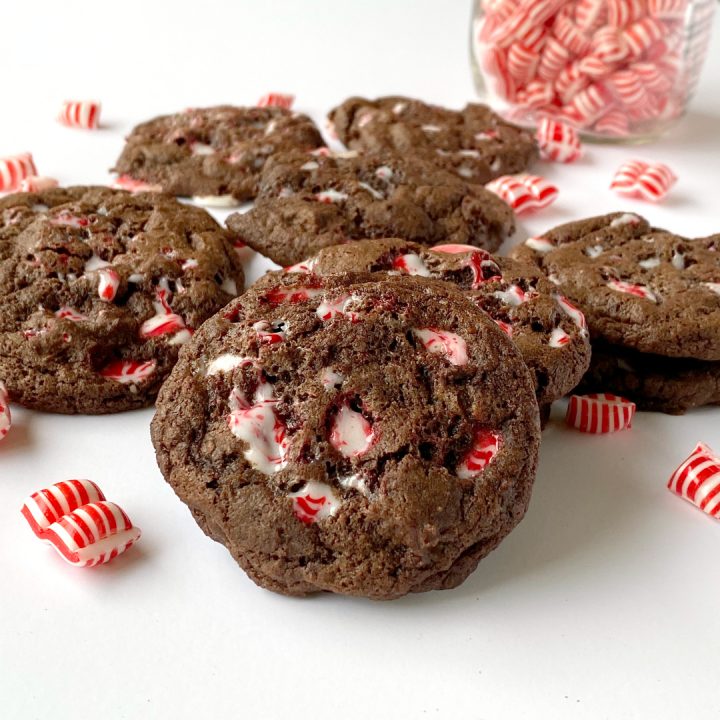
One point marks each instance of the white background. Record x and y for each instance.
(604, 603)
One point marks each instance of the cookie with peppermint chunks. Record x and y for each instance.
(99, 290)
(641, 288)
(352, 434)
(473, 143)
(312, 201)
(653, 382)
(549, 332)
(215, 154)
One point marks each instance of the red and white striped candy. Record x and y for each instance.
(616, 122)
(315, 501)
(164, 322)
(80, 114)
(591, 102)
(554, 58)
(590, 14)
(129, 372)
(537, 94)
(609, 45)
(5, 417)
(697, 480)
(524, 193)
(276, 100)
(640, 291)
(571, 36)
(653, 78)
(522, 62)
(443, 342)
(558, 141)
(640, 36)
(14, 169)
(599, 413)
(108, 283)
(649, 181)
(93, 534)
(628, 88)
(36, 184)
(668, 9)
(47, 506)
(486, 444)
(495, 66)
(622, 12)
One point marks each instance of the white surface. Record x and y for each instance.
(602, 604)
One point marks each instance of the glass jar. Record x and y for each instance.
(614, 69)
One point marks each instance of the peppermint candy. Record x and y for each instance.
(599, 413)
(14, 169)
(108, 283)
(125, 182)
(5, 417)
(276, 100)
(485, 446)
(75, 518)
(80, 114)
(558, 141)
(351, 433)
(443, 342)
(524, 193)
(314, 502)
(640, 291)
(647, 181)
(697, 480)
(129, 372)
(481, 263)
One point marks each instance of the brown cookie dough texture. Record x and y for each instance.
(549, 332)
(99, 290)
(473, 143)
(351, 434)
(215, 154)
(312, 201)
(652, 302)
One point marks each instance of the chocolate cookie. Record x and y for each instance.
(99, 289)
(549, 332)
(474, 142)
(213, 154)
(653, 382)
(309, 202)
(368, 438)
(640, 288)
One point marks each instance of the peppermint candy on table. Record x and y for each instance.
(558, 141)
(648, 181)
(280, 100)
(36, 184)
(486, 444)
(697, 480)
(129, 372)
(80, 114)
(524, 193)
(599, 413)
(5, 416)
(14, 169)
(74, 517)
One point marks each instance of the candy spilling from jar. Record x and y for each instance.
(609, 67)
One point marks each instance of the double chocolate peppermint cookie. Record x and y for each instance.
(474, 142)
(99, 289)
(356, 435)
(548, 330)
(216, 154)
(312, 201)
(646, 294)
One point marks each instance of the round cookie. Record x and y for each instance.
(99, 289)
(474, 143)
(640, 288)
(549, 332)
(309, 202)
(653, 382)
(368, 438)
(216, 154)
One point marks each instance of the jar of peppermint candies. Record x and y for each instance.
(614, 69)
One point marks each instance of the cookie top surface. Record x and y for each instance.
(99, 289)
(215, 152)
(549, 332)
(640, 287)
(474, 142)
(356, 437)
(313, 201)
